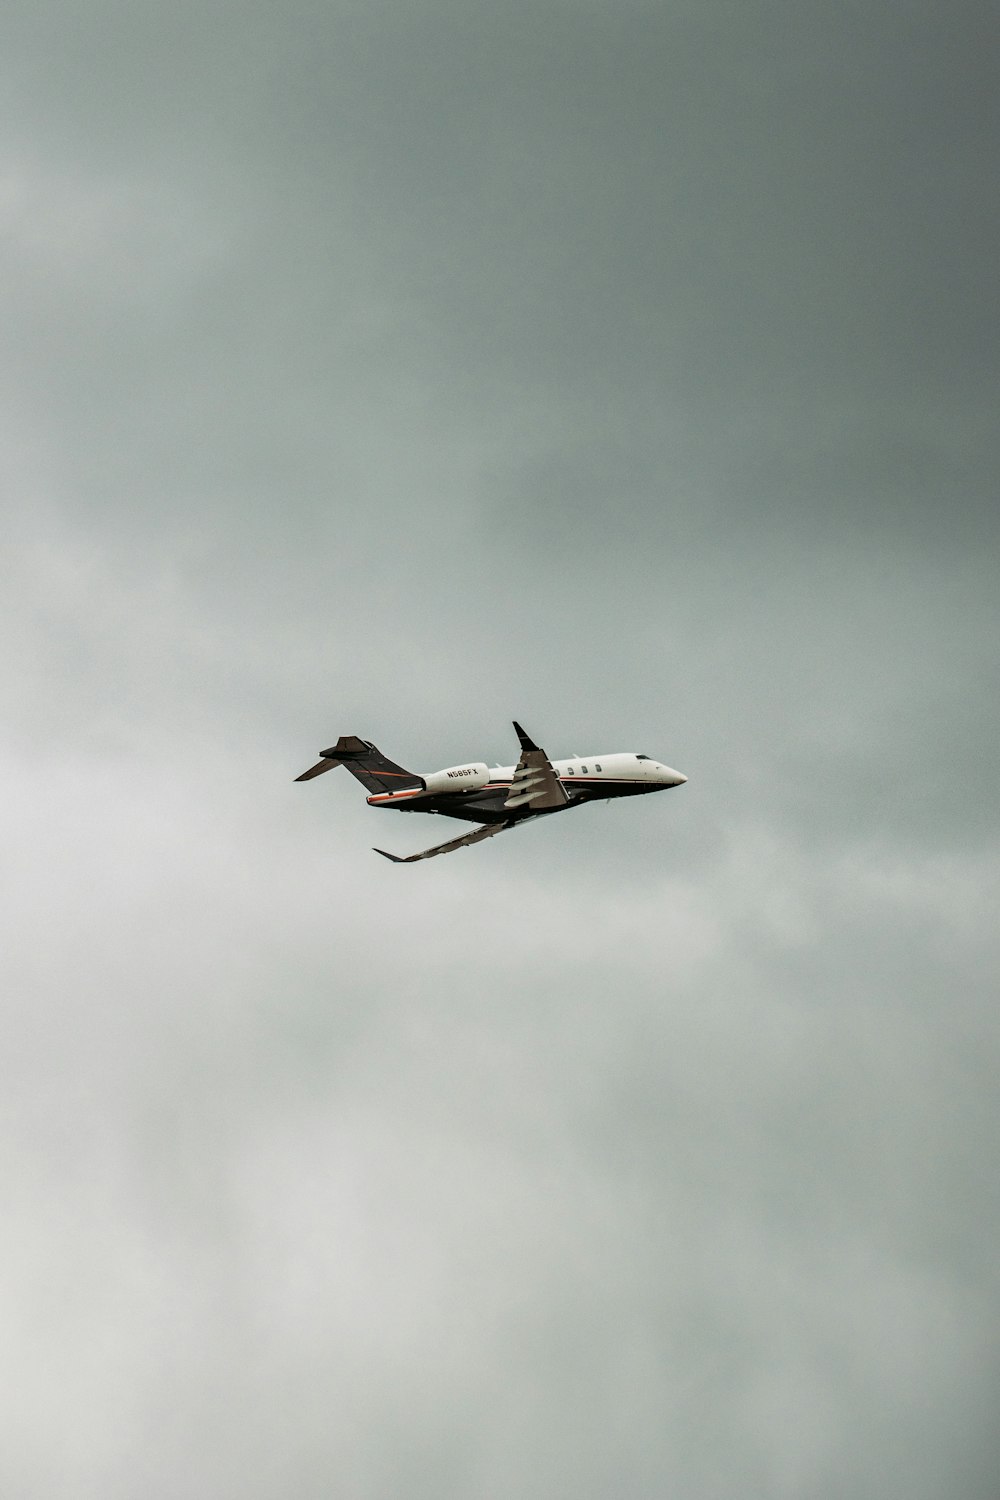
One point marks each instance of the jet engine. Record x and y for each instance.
(470, 778)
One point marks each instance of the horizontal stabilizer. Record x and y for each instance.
(348, 747)
(485, 832)
(376, 772)
(317, 770)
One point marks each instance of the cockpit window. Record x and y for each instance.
(642, 757)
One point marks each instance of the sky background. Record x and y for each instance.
(400, 368)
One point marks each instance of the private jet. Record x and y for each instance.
(495, 799)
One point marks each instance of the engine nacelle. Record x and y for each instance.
(470, 778)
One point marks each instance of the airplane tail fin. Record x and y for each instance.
(365, 761)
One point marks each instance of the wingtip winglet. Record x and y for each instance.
(527, 743)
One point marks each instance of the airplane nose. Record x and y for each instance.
(673, 778)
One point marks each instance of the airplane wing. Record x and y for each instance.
(535, 783)
(486, 831)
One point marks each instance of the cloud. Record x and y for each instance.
(404, 370)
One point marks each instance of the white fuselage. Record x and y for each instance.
(594, 776)
(621, 766)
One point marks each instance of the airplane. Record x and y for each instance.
(495, 799)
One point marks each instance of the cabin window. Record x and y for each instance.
(583, 770)
(570, 772)
(597, 768)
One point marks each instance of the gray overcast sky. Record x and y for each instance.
(398, 368)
